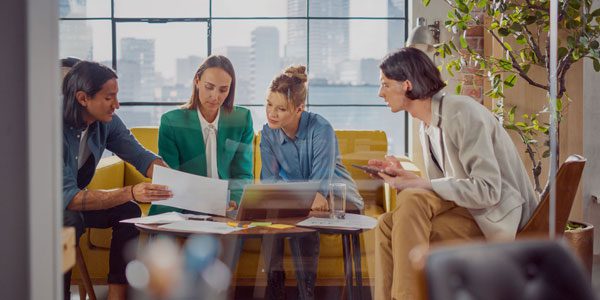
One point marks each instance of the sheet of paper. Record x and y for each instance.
(200, 226)
(193, 192)
(350, 221)
(165, 218)
(281, 226)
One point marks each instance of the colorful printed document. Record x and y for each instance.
(350, 221)
(193, 192)
(200, 227)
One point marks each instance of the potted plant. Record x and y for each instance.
(580, 236)
(521, 29)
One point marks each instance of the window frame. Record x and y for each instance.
(115, 20)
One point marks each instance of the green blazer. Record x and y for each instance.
(181, 145)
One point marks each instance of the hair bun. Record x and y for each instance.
(298, 73)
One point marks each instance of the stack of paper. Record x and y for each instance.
(350, 221)
(165, 218)
(193, 192)
(200, 227)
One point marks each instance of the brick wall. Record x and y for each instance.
(473, 83)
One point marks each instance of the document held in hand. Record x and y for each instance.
(193, 192)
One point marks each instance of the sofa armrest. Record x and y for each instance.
(109, 174)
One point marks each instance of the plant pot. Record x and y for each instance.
(581, 240)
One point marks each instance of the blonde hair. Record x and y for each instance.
(292, 84)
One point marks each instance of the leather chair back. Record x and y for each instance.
(567, 181)
(527, 269)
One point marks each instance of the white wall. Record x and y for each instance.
(44, 150)
(436, 11)
(591, 146)
(30, 153)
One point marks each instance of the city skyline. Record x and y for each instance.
(157, 61)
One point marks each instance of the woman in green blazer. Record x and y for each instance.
(208, 136)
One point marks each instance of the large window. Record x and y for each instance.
(156, 46)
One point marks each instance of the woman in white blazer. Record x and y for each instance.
(477, 186)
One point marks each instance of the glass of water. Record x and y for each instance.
(337, 200)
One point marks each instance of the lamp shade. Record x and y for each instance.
(421, 36)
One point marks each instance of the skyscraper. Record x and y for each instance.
(75, 36)
(265, 61)
(396, 29)
(240, 58)
(136, 69)
(329, 39)
(186, 69)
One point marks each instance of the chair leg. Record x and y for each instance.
(82, 293)
(85, 276)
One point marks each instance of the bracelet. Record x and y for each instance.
(132, 194)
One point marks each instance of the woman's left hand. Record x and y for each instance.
(320, 203)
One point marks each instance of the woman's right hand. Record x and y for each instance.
(147, 192)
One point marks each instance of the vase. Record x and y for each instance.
(581, 241)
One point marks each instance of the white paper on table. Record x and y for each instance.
(200, 226)
(164, 218)
(193, 192)
(350, 221)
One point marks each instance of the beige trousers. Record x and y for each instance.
(420, 218)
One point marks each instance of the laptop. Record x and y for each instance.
(276, 200)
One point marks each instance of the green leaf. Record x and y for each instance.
(559, 105)
(507, 46)
(571, 41)
(462, 7)
(596, 65)
(426, 2)
(452, 46)
(521, 124)
(521, 40)
(562, 51)
(510, 81)
(515, 27)
(546, 154)
(463, 41)
(596, 13)
(511, 127)
(505, 64)
(481, 3)
(511, 114)
(503, 31)
(530, 20)
(458, 88)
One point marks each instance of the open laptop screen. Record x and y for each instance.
(276, 200)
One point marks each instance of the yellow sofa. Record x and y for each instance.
(356, 147)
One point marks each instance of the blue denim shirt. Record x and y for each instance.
(312, 155)
(113, 136)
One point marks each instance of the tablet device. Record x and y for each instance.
(372, 170)
(276, 200)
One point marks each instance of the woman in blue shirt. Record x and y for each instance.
(297, 145)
